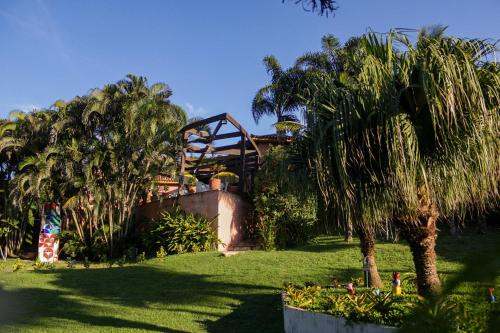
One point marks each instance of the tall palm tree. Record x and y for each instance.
(415, 137)
(279, 97)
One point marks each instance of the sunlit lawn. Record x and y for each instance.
(197, 292)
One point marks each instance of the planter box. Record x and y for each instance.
(302, 321)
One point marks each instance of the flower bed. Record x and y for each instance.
(313, 308)
(363, 307)
(297, 320)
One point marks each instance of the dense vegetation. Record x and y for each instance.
(285, 218)
(96, 154)
(399, 133)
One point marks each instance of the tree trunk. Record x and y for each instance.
(348, 232)
(367, 241)
(421, 236)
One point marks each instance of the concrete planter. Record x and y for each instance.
(302, 321)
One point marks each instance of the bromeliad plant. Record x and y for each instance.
(180, 232)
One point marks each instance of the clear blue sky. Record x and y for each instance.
(208, 51)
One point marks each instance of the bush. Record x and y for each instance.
(284, 218)
(180, 232)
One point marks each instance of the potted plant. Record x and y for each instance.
(190, 182)
(215, 182)
(228, 178)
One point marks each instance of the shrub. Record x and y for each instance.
(179, 232)
(17, 265)
(86, 262)
(161, 253)
(141, 257)
(284, 218)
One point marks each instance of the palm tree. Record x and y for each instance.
(333, 62)
(323, 7)
(104, 150)
(414, 137)
(279, 97)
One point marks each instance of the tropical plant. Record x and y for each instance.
(179, 232)
(295, 87)
(189, 179)
(278, 98)
(412, 137)
(227, 177)
(323, 7)
(285, 218)
(99, 154)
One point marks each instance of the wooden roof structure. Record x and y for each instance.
(200, 149)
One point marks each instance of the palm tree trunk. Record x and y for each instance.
(367, 242)
(421, 236)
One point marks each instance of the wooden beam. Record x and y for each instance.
(222, 158)
(202, 122)
(201, 134)
(227, 164)
(217, 137)
(195, 149)
(210, 144)
(242, 162)
(245, 133)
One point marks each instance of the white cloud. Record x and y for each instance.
(193, 111)
(26, 107)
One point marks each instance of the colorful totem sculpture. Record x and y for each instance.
(493, 299)
(350, 289)
(396, 284)
(48, 243)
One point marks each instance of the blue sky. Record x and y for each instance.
(209, 52)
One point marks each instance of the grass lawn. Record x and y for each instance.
(198, 292)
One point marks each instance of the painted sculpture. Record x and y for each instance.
(492, 297)
(396, 284)
(48, 243)
(350, 289)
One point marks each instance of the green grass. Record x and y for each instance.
(198, 292)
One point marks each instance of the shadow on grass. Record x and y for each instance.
(327, 244)
(467, 243)
(252, 309)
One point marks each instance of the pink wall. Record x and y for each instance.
(231, 210)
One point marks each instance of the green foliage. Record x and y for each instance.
(70, 262)
(284, 218)
(97, 154)
(180, 232)
(132, 253)
(17, 265)
(227, 177)
(121, 262)
(72, 245)
(39, 265)
(86, 262)
(189, 179)
(141, 257)
(413, 313)
(161, 253)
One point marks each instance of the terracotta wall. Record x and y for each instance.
(231, 210)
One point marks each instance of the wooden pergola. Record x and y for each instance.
(239, 153)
